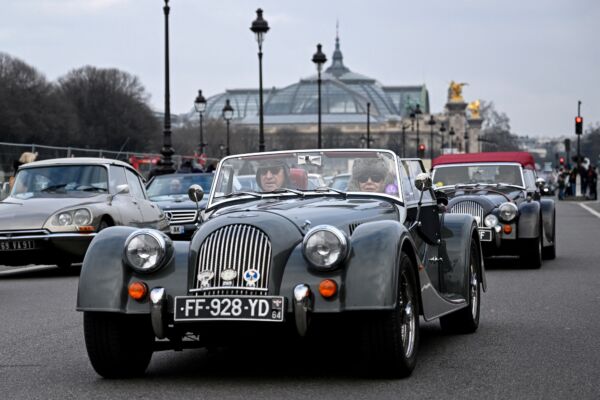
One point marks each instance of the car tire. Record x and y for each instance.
(118, 345)
(390, 339)
(466, 320)
(549, 252)
(531, 252)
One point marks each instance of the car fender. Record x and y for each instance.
(104, 278)
(548, 220)
(529, 220)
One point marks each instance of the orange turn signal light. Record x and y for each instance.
(138, 290)
(507, 229)
(86, 228)
(328, 288)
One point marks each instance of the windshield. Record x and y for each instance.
(451, 175)
(268, 173)
(176, 185)
(63, 181)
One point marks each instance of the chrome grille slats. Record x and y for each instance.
(182, 216)
(469, 207)
(353, 226)
(240, 247)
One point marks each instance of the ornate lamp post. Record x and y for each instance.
(368, 125)
(260, 27)
(431, 123)
(166, 163)
(319, 59)
(200, 106)
(466, 137)
(227, 116)
(442, 130)
(451, 133)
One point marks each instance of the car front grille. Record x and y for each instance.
(29, 234)
(181, 216)
(240, 248)
(469, 207)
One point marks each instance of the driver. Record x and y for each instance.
(272, 175)
(369, 175)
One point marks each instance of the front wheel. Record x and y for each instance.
(390, 339)
(531, 252)
(466, 320)
(118, 345)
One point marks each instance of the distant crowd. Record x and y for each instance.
(567, 180)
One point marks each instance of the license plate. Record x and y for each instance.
(229, 308)
(177, 229)
(14, 245)
(485, 235)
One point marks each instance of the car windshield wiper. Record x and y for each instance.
(287, 190)
(236, 194)
(510, 185)
(329, 189)
(53, 188)
(90, 188)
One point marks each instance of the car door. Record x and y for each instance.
(151, 214)
(126, 207)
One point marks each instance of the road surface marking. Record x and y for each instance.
(590, 209)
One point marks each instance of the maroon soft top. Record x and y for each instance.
(521, 157)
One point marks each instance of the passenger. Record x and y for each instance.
(369, 175)
(175, 186)
(272, 175)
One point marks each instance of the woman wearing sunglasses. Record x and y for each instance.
(369, 175)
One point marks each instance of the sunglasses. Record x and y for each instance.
(375, 177)
(272, 170)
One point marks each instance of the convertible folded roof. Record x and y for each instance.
(521, 157)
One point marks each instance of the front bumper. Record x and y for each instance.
(43, 247)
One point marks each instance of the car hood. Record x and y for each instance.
(17, 214)
(343, 213)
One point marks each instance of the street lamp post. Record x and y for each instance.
(404, 140)
(260, 27)
(166, 163)
(451, 133)
(200, 106)
(227, 116)
(466, 137)
(431, 123)
(319, 59)
(442, 130)
(368, 125)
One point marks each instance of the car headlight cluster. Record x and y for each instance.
(146, 249)
(490, 220)
(325, 247)
(79, 217)
(508, 211)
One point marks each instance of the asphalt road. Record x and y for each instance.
(539, 338)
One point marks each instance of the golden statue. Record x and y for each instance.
(455, 92)
(474, 107)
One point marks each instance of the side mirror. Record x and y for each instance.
(540, 182)
(195, 193)
(122, 189)
(423, 182)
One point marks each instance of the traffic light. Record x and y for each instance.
(578, 125)
(567, 145)
(561, 160)
(421, 150)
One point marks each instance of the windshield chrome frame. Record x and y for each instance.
(211, 203)
(475, 164)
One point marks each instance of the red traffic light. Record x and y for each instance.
(421, 147)
(578, 125)
(561, 160)
(578, 120)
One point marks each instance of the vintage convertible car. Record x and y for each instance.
(57, 206)
(285, 259)
(169, 192)
(501, 191)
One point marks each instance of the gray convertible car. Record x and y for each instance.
(57, 206)
(287, 260)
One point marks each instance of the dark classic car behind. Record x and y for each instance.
(169, 192)
(56, 207)
(288, 260)
(501, 191)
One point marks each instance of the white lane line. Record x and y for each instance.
(590, 209)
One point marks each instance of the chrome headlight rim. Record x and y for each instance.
(490, 220)
(164, 244)
(344, 247)
(507, 206)
(70, 216)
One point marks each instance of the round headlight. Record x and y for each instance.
(82, 217)
(508, 211)
(490, 220)
(64, 219)
(325, 246)
(145, 250)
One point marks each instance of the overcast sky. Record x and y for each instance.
(533, 59)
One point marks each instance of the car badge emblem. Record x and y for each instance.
(204, 277)
(276, 304)
(227, 276)
(251, 276)
(169, 215)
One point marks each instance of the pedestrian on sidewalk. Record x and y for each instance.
(592, 182)
(562, 183)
